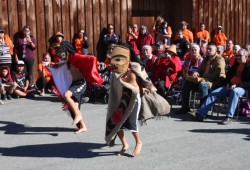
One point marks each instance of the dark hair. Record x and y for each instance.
(25, 27)
(143, 27)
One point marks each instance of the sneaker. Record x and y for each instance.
(198, 117)
(226, 121)
(1, 102)
(9, 97)
(183, 110)
(84, 100)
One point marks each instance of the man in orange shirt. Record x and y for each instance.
(219, 37)
(188, 35)
(202, 33)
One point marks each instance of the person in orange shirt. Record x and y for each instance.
(81, 43)
(228, 53)
(219, 38)
(44, 75)
(188, 35)
(202, 33)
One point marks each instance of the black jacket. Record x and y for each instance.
(245, 75)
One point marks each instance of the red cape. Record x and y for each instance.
(87, 65)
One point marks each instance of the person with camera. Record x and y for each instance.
(6, 49)
(81, 43)
(25, 47)
(165, 69)
(132, 36)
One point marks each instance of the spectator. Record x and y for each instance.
(186, 32)
(59, 48)
(192, 62)
(247, 46)
(25, 47)
(203, 46)
(44, 75)
(156, 26)
(145, 38)
(237, 81)
(6, 49)
(21, 81)
(81, 43)
(220, 49)
(228, 53)
(212, 72)
(111, 37)
(165, 69)
(132, 37)
(232, 60)
(6, 83)
(219, 37)
(148, 58)
(202, 33)
(181, 45)
(164, 34)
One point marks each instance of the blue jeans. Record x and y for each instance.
(219, 94)
(202, 88)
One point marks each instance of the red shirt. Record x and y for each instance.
(145, 40)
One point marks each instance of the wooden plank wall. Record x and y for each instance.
(46, 17)
(233, 15)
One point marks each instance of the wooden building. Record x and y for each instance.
(46, 17)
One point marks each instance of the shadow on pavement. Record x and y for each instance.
(243, 131)
(61, 150)
(20, 129)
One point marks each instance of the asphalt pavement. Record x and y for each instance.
(37, 134)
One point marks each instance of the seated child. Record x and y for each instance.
(21, 81)
(6, 83)
(44, 75)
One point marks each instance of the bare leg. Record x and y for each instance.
(138, 145)
(124, 142)
(83, 127)
(73, 106)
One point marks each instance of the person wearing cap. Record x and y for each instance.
(188, 35)
(165, 69)
(25, 47)
(81, 43)
(181, 44)
(21, 81)
(129, 88)
(6, 49)
(211, 73)
(219, 37)
(202, 33)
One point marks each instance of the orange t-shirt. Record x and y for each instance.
(78, 45)
(203, 35)
(237, 78)
(47, 74)
(220, 39)
(188, 35)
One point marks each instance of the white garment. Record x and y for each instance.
(62, 77)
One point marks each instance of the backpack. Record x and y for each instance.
(244, 108)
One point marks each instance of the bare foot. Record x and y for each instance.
(123, 150)
(76, 120)
(137, 150)
(81, 130)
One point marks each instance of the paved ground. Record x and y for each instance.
(37, 134)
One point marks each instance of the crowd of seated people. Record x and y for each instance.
(201, 61)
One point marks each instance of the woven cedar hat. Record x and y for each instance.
(172, 49)
(59, 34)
